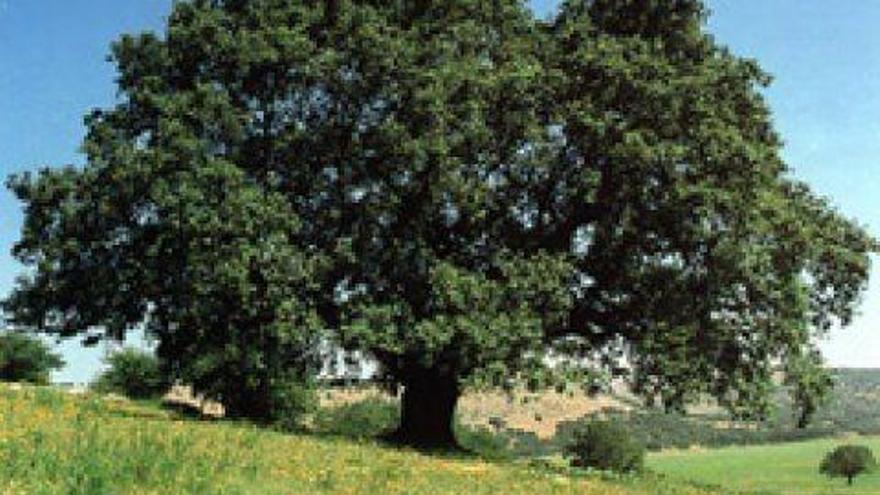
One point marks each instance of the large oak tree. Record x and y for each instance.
(457, 188)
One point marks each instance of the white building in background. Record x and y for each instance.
(347, 366)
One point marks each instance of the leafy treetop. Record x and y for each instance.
(454, 186)
(848, 461)
(24, 358)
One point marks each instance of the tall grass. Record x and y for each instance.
(53, 444)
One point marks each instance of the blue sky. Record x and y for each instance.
(825, 57)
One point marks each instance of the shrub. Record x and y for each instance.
(368, 418)
(133, 373)
(292, 400)
(528, 444)
(24, 358)
(605, 445)
(848, 461)
(484, 442)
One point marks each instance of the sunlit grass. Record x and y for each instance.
(785, 468)
(54, 443)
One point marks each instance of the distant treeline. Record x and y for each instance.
(853, 407)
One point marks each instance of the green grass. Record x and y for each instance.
(52, 443)
(786, 469)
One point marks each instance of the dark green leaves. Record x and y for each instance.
(454, 187)
(848, 461)
(26, 359)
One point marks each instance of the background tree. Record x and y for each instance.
(26, 359)
(811, 385)
(848, 461)
(606, 445)
(134, 373)
(454, 187)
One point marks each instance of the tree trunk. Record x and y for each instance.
(849, 479)
(251, 403)
(427, 408)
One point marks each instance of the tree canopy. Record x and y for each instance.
(848, 461)
(24, 358)
(133, 373)
(457, 188)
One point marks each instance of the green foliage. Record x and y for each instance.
(852, 406)
(848, 461)
(811, 385)
(26, 359)
(133, 373)
(657, 430)
(483, 442)
(376, 417)
(454, 187)
(369, 418)
(606, 445)
(291, 402)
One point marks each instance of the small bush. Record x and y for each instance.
(369, 418)
(291, 402)
(133, 373)
(848, 461)
(483, 442)
(605, 445)
(24, 358)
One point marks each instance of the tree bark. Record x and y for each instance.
(252, 403)
(427, 410)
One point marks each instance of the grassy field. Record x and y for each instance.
(55, 443)
(789, 469)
